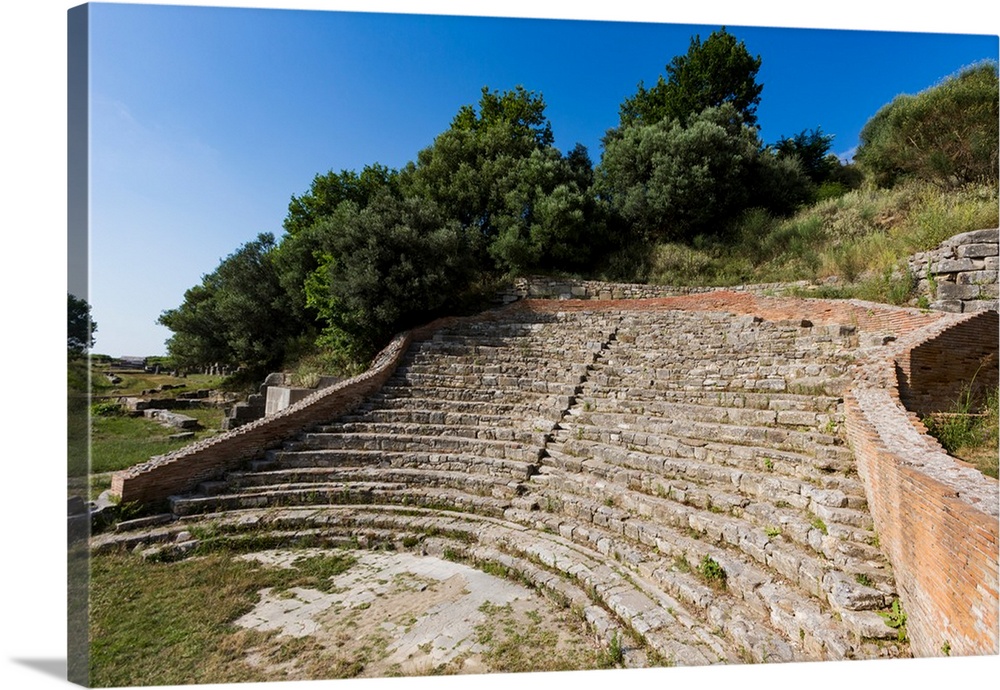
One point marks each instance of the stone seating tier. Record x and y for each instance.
(605, 455)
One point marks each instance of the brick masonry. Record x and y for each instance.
(936, 516)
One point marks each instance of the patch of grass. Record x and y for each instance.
(119, 441)
(533, 641)
(712, 573)
(969, 436)
(861, 237)
(818, 523)
(171, 623)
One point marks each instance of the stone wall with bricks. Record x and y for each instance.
(937, 517)
(960, 275)
(182, 470)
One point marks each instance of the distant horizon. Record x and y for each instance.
(206, 120)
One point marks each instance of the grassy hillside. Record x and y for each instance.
(858, 239)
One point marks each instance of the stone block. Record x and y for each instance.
(981, 305)
(953, 306)
(954, 291)
(952, 266)
(977, 278)
(976, 236)
(975, 251)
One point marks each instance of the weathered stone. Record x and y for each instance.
(981, 305)
(976, 251)
(950, 305)
(954, 291)
(975, 237)
(846, 593)
(952, 266)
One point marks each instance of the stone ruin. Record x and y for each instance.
(717, 476)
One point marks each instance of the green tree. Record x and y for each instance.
(298, 254)
(496, 172)
(329, 190)
(947, 134)
(391, 265)
(81, 327)
(669, 181)
(811, 147)
(719, 71)
(236, 316)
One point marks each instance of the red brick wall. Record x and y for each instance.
(936, 517)
(934, 373)
(182, 470)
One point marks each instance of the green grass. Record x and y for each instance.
(968, 435)
(120, 441)
(518, 644)
(862, 237)
(134, 382)
(171, 623)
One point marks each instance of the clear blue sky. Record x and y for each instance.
(204, 121)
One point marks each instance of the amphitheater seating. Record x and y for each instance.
(679, 477)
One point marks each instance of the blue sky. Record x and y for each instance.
(205, 120)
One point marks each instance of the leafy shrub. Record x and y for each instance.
(712, 572)
(947, 134)
(107, 409)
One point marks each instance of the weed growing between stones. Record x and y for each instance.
(895, 618)
(712, 573)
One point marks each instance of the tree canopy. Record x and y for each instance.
(366, 254)
(81, 327)
(947, 134)
(721, 70)
(237, 315)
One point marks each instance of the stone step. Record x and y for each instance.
(371, 493)
(488, 416)
(478, 483)
(460, 462)
(501, 383)
(691, 480)
(751, 607)
(402, 443)
(421, 429)
(644, 401)
(667, 433)
(528, 399)
(663, 419)
(543, 407)
(819, 592)
(723, 507)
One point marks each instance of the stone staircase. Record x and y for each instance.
(679, 478)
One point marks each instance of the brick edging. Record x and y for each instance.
(181, 471)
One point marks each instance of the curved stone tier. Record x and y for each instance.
(679, 475)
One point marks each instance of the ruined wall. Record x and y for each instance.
(182, 470)
(540, 287)
(961, 274)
